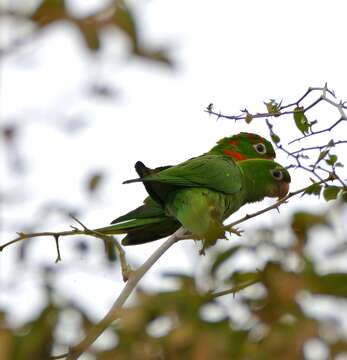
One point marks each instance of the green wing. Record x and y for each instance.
(216, 172)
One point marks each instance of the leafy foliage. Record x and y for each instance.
(117, 15)
(179, 324)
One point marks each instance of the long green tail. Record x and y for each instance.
(140, 231)
(144, 224)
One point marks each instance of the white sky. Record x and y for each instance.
(235, 54)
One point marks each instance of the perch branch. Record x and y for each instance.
(114, 312)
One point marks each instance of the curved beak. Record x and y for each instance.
(283, 190)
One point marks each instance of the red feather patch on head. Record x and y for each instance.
(235, 155)
(253, 138)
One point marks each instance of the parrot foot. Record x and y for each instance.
(235, 231)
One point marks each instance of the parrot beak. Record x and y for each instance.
(283, 190)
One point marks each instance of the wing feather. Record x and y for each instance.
(215, 172)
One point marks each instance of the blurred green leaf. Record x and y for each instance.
(37, 343)
(282, 340)
(301, 121)
(314, 189)
(338, 348)
(330, 284)
(332, 159)
(118, 15)
(123, 18)
(90, 34)
(94, 181)
(331, 192)
(6, 339)
(304, 221)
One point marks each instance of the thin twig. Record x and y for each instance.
(235, 289)
(125, 268)
(56, 238)
(319, 131)
(25, 236)
(330, 144)
(246, 114)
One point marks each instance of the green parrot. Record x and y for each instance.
(202, 192)
(150, 222)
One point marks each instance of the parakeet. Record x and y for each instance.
(150, 222)
(202, 192)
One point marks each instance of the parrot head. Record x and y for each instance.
(265, 178)
(279, 183)
(244, 146)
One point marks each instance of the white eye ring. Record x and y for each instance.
(277, 174)
(260, 148)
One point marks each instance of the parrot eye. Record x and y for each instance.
(277, 174)
(260, 148)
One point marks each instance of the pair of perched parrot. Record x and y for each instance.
(200, 193)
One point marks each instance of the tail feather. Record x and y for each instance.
(151, 232)
(126, 226)
(140, 231)
(148, 222)
(150, 209)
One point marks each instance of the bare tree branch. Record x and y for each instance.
(125, 268)
(116, 308)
